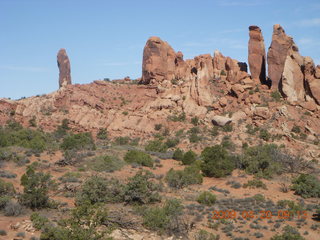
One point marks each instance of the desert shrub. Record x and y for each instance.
(100, 190)
(13, 208)
(165, 219)
(70, 177)
(276, 96)
(6, 188)
(189, 157)
(227, 143)
(291, 206)
(177, 117)
(259, 198)
(84, 223)
(216, 162)
(214, 131)
(227, 128)
(3, 232)
(102, 134)
(251, 130)
(195, 121)
(139, 157)
(156, 146)
(261, 160)
(141, 189)
(4, 200)
(23, 137)
(207, 198)
(78, 141)
(289, 233)
(36, 186)
(38, 221)
(157, 127)
(122, 140)
(172, 142)
(255, 183)
(194, 137)
(178, 154)
(306, 186)
(296, 129)
(264, 134)
(33, 122)
(182, 178)
(204, 235)
(62, 129)
(106, 163)
(234, 184)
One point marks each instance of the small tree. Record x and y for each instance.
(189, 157)
(216, 161)
(36, 186)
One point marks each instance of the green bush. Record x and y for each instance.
(289, 233)
(38, 221)
(204, 235)
(3, 232)
(157, 127)
(216, 162)
(255, 183)
(195, 121)
(156, 146)
(276, 96)
(139, 157)
(6, 188)
(215, 131)
(102, 134)
(78, 141)
(189, 157)
(261, 160)
(23, 137)
(122, 140)
(141, 190)
(172, 142)
(207, 198)
(264, 134)
(62, 129)
(177, 118)
(178, 154)
(182, 178)
(13, 208)
(99, 190)
(296, 129)
(106, 163)
(227, 128)
(164, 219)
(36, 187)
(306, 186)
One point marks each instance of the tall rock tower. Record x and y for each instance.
(64, 68)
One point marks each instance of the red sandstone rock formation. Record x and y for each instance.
(277, 54)
(64, 68)
(257, 54)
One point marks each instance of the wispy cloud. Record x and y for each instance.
(309, 22)
(23, 68)
(236, 3)
(308, 42)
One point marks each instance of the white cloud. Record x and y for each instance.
(309, 22)
(23, 68)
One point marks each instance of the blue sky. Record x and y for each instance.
(106, 38)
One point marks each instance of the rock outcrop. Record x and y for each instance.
(257, 54)
(277, 54)
(64, 68)
(312, 78)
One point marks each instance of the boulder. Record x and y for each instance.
(257, 54)
(221, 120)
(64, 68)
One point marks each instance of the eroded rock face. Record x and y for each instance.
(277, 54)
(64, 68)
(158, 61)
(312, 78)
(257, 54)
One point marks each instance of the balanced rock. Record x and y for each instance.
(221, 120)
(277, 54)
(64, 68)
(257, 54)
